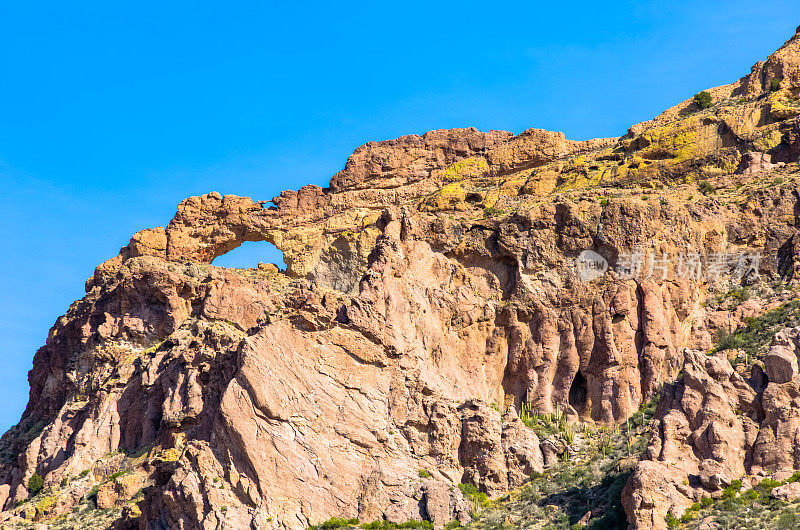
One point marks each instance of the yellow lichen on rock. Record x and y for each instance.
(635, 162)
(467, 168)
(120, 488)
(778, 108)
(769, 140)
(450, 197)
(676, 141)
(133, 511)
(173, 454)
(582, 173)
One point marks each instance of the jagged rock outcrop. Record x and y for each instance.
(714, 427)
(437, 275)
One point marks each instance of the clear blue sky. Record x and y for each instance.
(112, 112)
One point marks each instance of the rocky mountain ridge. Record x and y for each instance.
(432, 298)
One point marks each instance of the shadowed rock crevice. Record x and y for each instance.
(578, 394)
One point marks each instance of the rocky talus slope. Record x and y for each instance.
(441, 337)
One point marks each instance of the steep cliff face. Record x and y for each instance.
(436, 287)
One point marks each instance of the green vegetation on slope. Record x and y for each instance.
(337, 522)
(751, 509)
(703, 99)
(590, 479)
(756, 336)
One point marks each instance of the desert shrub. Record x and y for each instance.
(424, 473)
(731, 491)
(788, 519)
(478, 497)
(336, 522)
(35, 484)
(732, 341)
(766, 485)
(775, 84)
(759, 330)
(739, 294)
(416, 525)
(491, 211)
(379, 525)
(705, 187)
(468, 489)
(672, 522)
(703, 99)
(140, 452)
(117, 474)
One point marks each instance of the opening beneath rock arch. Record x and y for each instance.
(578, 393)
(249, 254)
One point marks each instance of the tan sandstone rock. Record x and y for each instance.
(788, 492)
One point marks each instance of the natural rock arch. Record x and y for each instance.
(250, 254)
